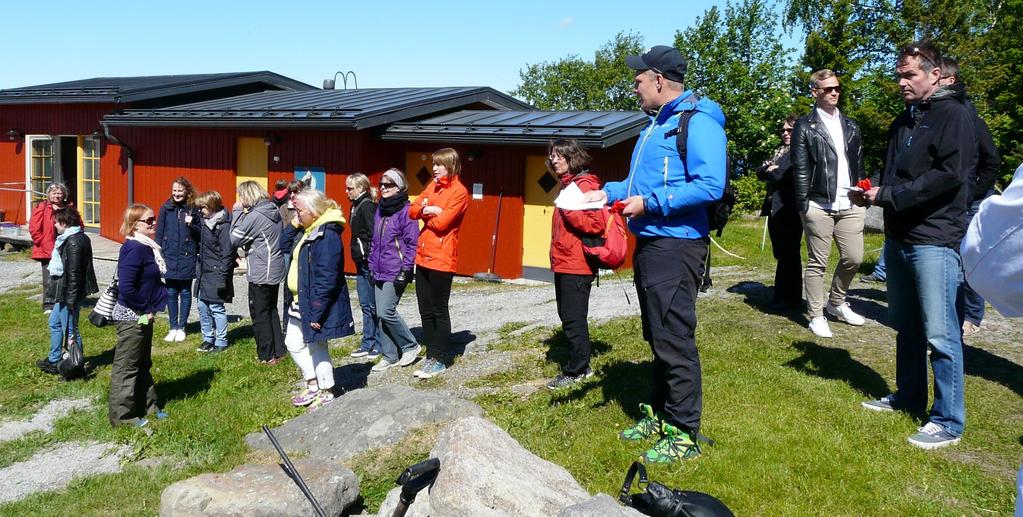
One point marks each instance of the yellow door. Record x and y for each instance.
(418, 172)
(541, 189)
(252, 160)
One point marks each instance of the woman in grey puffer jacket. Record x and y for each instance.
(257, 229)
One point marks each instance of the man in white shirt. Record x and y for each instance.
(827, 162)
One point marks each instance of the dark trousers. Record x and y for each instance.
(572, 293)
(49, 286)
(786, 231)
(132, 394)
(973, 302)
(265, 324)
(433, 290)
(667, 274)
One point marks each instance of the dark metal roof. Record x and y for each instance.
(130, 89)
(590, 128)
(340, 109)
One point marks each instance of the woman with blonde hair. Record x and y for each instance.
(257, 229)
(441, 207)
(320, 309)
(363, 198)
(141, 294)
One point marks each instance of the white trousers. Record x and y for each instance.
(312, 359)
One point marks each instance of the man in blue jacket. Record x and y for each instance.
(665, 201)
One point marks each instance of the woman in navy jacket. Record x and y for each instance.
(176, 229)
(141, 294)
(320, 309)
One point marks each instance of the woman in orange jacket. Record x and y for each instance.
(441, 207)
(573, 271)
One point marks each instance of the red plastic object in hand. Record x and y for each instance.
(618, 207)
(865, 184)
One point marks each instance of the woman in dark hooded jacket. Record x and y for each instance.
(176, 228)
(215, 271)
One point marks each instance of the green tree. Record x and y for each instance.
(572, 83)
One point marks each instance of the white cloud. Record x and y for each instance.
(566, 22)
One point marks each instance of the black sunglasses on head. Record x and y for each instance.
(922, 54)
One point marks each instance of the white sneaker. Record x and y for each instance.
(819, 326)
(845, 313)
(410, 357)
(180, 336)
(383, 365)
(171, 336)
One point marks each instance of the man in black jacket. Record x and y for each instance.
(826, 160)
(925, 188)
(982, 181)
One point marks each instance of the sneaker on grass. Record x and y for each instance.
(564, 380)
(933, 436)
(646, 427)
(845, 313)
(306, 397)
(360, 352)
(884, 403)
(206, 347)
(674, 446)
(820, 328)
(436, 368)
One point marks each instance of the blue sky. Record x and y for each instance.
(386, 43)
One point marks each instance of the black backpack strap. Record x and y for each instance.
(681, 133)
(637, 467)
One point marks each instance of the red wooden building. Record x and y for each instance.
(271, 135)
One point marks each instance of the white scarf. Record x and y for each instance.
(156, 250)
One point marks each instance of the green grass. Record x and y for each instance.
(784, 409)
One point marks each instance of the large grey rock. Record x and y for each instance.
(263, 490)
(600, 505)
(419, 508)
(875, 219)
(484, 471)
(362, 420)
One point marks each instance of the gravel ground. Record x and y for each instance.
(55, 468)
(42, 420)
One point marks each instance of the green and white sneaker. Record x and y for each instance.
(646, 427)
(675, 445)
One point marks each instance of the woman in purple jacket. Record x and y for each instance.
(391, 259)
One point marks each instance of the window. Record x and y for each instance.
(89, 181)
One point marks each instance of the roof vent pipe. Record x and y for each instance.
(328, 84)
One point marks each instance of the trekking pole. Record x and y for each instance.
(412, 481)
(289, 468)
(624, 290)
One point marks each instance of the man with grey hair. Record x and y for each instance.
(826, 160)
(665, 198)
(44, 235)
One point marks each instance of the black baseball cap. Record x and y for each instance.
(665, 60)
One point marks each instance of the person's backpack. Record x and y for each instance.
(719, 211)
(609, 250)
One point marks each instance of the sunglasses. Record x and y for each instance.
(149, 220)
(388, 186)
(830, 89)
(922, 54)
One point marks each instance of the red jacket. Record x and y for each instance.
(40, 225)
(438, 240)
(567, 226)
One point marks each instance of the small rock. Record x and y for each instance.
(600, 505)
(484, 471)
(420, 507)
(363, 420)
(263, 490)
(874, 220)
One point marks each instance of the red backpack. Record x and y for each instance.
(611, 253)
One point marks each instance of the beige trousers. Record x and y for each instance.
(820, 226)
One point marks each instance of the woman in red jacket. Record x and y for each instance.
(40, 226)
(441, 207)
(573, 273)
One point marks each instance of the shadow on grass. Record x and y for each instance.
(981, 363)
(558, 348)
(456, 345)
(92, 362)
(624, 382)
(239, 333)
(759, 297)
(837, 364)
(184, 387)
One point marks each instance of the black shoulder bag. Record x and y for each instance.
(658, 500)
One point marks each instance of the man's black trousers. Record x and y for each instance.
(667, 274)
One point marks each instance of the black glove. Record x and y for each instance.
(404, 277)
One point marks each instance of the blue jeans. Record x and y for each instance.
(879, 269)
(391, 329)
(179, 302)
(213, 321)
(924, 284)
(62, 320)
(367, 300)
(973, 302)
